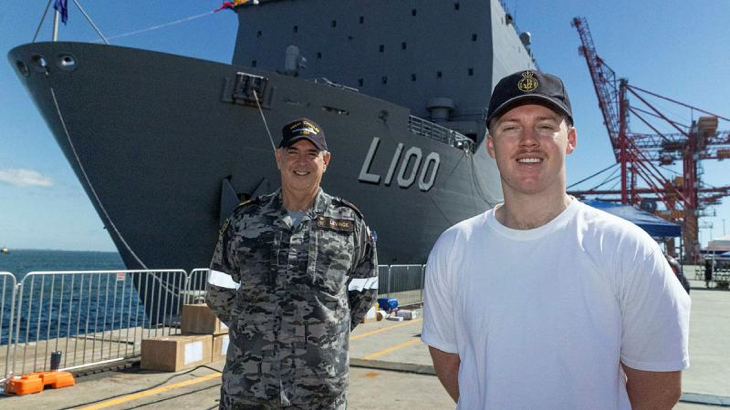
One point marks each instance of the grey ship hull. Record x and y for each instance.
(154, 137)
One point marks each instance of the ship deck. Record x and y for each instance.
(389, 367)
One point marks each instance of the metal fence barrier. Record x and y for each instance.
(402, 282)
(197, 286)
(8, 286)
(86, 318)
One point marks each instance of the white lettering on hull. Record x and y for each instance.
(408, 167)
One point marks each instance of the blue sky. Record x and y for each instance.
(673, 47)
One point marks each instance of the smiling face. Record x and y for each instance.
(529, 143)
(302, 166)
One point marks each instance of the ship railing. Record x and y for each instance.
(8, 287)
(68, 320)
(431, 130)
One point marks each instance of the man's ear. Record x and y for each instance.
(326, 157)
(490, 146)
(277, 155)
(572, 140)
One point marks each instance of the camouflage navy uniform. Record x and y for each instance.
(290, 296)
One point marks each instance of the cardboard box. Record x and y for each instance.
(174, 353)
(200, 320)
(220, 347)
(373, 315)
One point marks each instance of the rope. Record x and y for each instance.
(40, 23)
(273, 146)
(88, 18)
(172, 23)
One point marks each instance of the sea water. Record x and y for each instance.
(60, 306)
(20, 262)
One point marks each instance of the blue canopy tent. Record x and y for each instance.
(654, 225)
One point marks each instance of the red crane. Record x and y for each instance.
(642, 156)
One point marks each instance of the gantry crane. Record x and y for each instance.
(642, 156)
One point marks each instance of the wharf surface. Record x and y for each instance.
(390, 367)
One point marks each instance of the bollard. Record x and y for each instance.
(55, 360)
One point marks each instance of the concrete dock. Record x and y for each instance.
(390, 367)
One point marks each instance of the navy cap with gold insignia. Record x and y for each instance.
(529, 86)
(303, 128)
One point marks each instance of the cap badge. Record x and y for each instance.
(528, 82)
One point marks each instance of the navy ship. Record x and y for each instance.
(166, 146)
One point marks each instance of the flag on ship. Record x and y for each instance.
(61, 6)
(234, 3)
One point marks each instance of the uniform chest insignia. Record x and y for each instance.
(344, 225)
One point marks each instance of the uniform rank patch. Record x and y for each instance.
(335, 224)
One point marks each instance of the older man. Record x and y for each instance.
(543, 302)
(292, 274)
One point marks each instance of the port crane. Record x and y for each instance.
(643, 156)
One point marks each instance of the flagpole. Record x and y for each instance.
(56, 15)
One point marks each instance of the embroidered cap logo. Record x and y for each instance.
(528, 82)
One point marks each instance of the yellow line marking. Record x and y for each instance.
(383, 329)
(391, 349)
(162, 389)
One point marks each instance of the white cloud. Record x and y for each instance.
(24, 177)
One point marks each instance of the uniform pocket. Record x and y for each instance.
(254, 257)
(334, 259)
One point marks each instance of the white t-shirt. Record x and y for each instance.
(542, 318)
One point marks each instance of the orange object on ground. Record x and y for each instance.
(36, 382)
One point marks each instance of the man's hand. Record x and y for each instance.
(447, 370)
(653, 390)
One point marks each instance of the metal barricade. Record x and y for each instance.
(383, 281)
(196, 286)
(96, 317)
(405, 283)
(92, 317)
(8, 286)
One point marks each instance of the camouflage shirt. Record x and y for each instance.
(290, 296)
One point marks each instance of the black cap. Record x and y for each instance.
(303, 128)
(525, 86)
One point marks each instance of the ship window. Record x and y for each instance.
(258, 34)
(456, 6)
(384, 80)
(253, 63)
(473, 37)
(362, 19)
(413, 77)
(439, 74)
(319, 54)
(382, 48)
(296, 29)
(471, 71)
(334, 23)
(403, 45)
(413, 12)
(360, 82)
